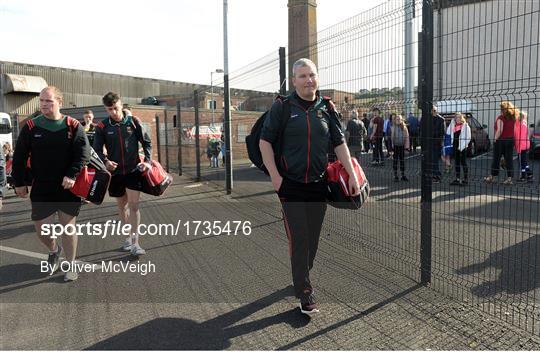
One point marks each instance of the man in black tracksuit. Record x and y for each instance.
(58, 149)
(121, 134)
(300, 182)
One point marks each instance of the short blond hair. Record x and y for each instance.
(57, 93)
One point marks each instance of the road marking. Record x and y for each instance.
(194, 185)
(39, 255)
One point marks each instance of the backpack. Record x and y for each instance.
(252, 140)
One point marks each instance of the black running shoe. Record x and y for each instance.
(455, 182)
(54, 260)
(396, 179)
(308, 305)
(404, 178)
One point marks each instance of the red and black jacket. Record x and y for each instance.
(309, 136)
(121, 139)
(53, 154)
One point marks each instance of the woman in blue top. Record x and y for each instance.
(447, 152)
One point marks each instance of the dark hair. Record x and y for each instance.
(376, 109)
(88, 112)
(364, 115)
(110, 99)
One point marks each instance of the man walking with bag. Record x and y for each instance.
(299, 176)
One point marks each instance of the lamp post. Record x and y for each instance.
(212, 91)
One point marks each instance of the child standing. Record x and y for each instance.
(460, 134)
(522, 144)
(400, 141)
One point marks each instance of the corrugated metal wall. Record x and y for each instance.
(85, 88)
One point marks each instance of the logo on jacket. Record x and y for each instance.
(293, 116)
(129, 129)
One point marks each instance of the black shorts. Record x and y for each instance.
(119, 183)
(47, 200)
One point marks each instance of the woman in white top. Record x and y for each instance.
(460, 134)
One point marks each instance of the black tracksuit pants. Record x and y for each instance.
(304, 207)
(460, 159)
(399, 155)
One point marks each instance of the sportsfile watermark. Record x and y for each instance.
(117, 228)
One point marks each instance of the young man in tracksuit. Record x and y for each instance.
(121, 134)
(58, 149)
(300, 181)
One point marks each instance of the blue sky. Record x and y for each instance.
(178, 40)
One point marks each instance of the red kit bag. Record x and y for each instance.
(155, 180)
(338, 186)
(92, 184)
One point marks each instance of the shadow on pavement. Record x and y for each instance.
(214, 334)
(519, 265)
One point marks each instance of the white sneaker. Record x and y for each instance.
(136, 250)
(127, 245)
(70, 276)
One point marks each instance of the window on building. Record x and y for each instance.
(241, 134)
(212, 104)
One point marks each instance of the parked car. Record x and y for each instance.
(535, 139)
(479, 137)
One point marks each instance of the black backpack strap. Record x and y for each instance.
(285, 115)
(331, 112)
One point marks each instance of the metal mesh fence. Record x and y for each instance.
(484, 233)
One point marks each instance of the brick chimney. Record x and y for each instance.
(302, 32)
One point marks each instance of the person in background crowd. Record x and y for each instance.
(437, 138)
(58, 149)
(460, 134)
(357, 133)
(447, 151)
(386, 133)
(399, 136)
(3, 176)
(89, 126)
(376, 137)
(414, 128)
(504, 142)
(522, 144)
(367, 125)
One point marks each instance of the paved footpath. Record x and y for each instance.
(225, 291)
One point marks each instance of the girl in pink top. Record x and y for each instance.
(522, 144)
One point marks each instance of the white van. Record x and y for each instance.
(6, 130)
